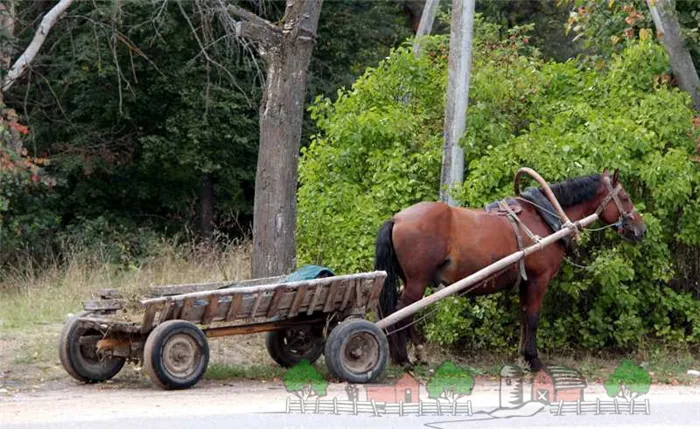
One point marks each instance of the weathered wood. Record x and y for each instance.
(274, 304)
(186, 309)
(233, 308)
(314, 301)
(331, 297)
(108, 293)
(298, 298)
(148, 317)
(346, 297)
(179, 289)
(358, 294)
(103, 304)
(482, 274)
(211, 311)
(109, 324)
(259, 327)
(254, 310)
(264, 288)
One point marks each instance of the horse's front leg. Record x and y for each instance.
(531, 294)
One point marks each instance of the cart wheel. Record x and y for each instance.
(290, 346)
(356, 351)
(78, 354)
(176, 354)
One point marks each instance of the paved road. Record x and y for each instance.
(260, 406)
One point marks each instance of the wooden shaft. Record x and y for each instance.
(481, 274)
(253, 328)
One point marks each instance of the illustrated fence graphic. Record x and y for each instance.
(600, 407)
(421, 408)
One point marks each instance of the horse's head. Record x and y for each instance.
(617, 208)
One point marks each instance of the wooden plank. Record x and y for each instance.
(346, 297)
(235, 305)
(148, 317)
(359, 302)
(211, 310)
(265, 288)
(103, 304)
(255, 306)
(274, 304)
(330, 298)
(296, 303)
(186, 308)
(314, 301)
(178, 289)
(258, 327)
(109, 293)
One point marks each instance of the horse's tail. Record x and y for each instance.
(385, 260)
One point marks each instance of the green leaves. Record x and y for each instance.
(628, 381)
(450, 382)
(304, 380)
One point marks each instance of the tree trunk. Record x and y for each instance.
(669, 31)
(462, 28)
(281, 115)
(7, 22)
(23, 62)
(427, 19)
(206, 208)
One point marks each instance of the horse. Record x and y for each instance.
(433, 243)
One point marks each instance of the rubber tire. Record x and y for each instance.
(340, 335)
(75, 364)
(153, 359)
(274, 342)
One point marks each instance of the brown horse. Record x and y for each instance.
(433, 243)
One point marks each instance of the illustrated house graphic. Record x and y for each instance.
(558, 383)
(405, 390)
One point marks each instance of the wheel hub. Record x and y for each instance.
(360, 352)
(181, 355)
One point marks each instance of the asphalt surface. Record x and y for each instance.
(262, 405)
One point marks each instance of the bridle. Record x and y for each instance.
(613, 195)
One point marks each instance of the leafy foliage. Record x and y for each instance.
(379, 151)
(304, 380)
(450, 382)
(628, 381)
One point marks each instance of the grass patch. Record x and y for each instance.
(217, 371)
(34, 297)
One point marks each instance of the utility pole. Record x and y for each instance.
(425, 26)
(461, 33)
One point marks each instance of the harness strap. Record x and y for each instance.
(516, 224)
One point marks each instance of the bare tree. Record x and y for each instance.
(286, 49)
(669, 31)
(24, 61)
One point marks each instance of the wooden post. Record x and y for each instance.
(454, 408)
(578, 407)
(427, 17)
(401, 408)
(459, 64)
(354, 406)
(335, 405)
(597, 406)
(647, 408)
(617, 407)
(561, 405)
(632, 406)
(374, 407)
(469, 408)
(420, 408)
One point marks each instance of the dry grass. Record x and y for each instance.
(48, 295)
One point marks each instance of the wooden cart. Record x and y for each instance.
(171, 337)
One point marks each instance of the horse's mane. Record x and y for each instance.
(577, 190)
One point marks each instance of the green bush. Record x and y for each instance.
(379, 151)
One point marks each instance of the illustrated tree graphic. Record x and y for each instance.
(629, 381)
(304, 381)
(450, 382)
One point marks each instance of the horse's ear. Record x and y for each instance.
(616, 177)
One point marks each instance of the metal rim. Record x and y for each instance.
(360, 352)
(181, 356)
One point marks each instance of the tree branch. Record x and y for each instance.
(27, 57)
(255, 28)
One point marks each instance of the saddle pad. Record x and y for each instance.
(537, 197)
(494, 207)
